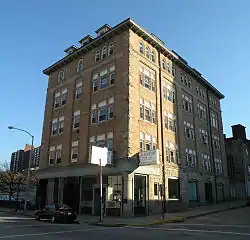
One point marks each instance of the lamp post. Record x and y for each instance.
(30, 158)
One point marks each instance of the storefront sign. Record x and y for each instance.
(149, 157)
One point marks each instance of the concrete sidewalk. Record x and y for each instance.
(148, 220)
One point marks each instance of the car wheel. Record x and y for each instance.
(53, 219)
(37, 217)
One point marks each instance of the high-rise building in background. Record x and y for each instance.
(20, 159)
(124, 89)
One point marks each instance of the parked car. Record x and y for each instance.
(56, 213)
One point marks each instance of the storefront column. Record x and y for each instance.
(50, 191)
(128, 195)
(60, 192)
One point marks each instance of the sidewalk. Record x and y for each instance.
(148, 220)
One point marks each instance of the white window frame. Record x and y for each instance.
(147, 52)
(104, 52)
(97, 55)
(74, 147)
(99, 113)
(164, 64)
(141, 49)
(153, 56)
(76, 119)
(78, 90)
(110, 49)
(79, 67)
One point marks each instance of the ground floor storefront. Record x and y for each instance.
(132, 193)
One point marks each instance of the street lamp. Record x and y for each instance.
(30, 158)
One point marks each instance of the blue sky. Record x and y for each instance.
(213, 36)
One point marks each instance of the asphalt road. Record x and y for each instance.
(234, 224)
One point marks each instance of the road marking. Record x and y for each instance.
(34, 225)
(194, 230)
(211, 225)
(51, 233)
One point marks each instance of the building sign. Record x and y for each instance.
(149, 157)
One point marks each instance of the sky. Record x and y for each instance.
(213, 36)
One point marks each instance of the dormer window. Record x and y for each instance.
(102, 30)
(97, 55)
(79, 67)
(86, 40)
(104, 52)
(70, 50)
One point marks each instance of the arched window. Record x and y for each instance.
(141, 48)
(147, 52)
(164, 66)
(79, 67)
(168, 67)
(62, 75)
(97, 55)
(110, 49)
(104, 52)
(153, 55)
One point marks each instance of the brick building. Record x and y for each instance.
(126, 90)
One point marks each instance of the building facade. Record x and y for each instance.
(238, 160)
(20, 159)
(124, 89)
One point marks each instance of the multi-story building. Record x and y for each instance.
(20, 159)
(126, 90)
(238, 161)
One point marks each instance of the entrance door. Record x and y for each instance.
(209, 192)
(140, 195)
(97, 202)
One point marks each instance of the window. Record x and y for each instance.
(74, 151)
(156, 185)
(58, 154)
(78, 90)
(181, 77)
(171, 95)
(97, 55)
(148, 114)
(76, 119)
(216, 142)
(165, 92)
(218, 165)
(110, 49)
(79, 67)
(146, 143)
(54, 130)
(187, 104)
(203, 137)
(202, 112)
(104, 52)
(147, 52)
(189, 83)
(153, 56)
(168, 67)
(148, 146)
(103, 82)
(141, 108)
(214, 120)
(206, 162)
(112, 78)
(147, 82)
(191, 158)
(173, 188)
(172, 156)
(200, 91)
(64, 97)
(110, 111)
(102, 113)
(61, 124)
(93, 116)
(153, 115)
(173, 70)
(212, 100)
(166, 122)
(52, 155)
(147, 79)
(188, 130)
(141, 48)
(153, 84)
(164, 66)
(57, 100)
(62, 75)
(170, 121)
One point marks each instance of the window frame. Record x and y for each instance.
(104, 52)
(141, 48)
(80, 65)
(97, 55)
(110, 49)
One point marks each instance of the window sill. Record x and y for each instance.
(151, 123)
(99, 123)
(103, 89)
(62, 106)
(147, 89)
(58, 134)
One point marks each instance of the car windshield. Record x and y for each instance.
(64, 206)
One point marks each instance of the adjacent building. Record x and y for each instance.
(237, 151)
(20, 159)
(158, 117)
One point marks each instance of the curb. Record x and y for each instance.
(157, 222)
(215, 211)
(18, 213)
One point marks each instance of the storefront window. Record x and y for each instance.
(173, 188)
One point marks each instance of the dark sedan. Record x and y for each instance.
(56, 213)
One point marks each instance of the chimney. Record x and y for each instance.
(239, 131)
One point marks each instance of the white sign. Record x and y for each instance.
(149, 157)
(98, 153)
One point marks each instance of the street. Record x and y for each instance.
(234, 224)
